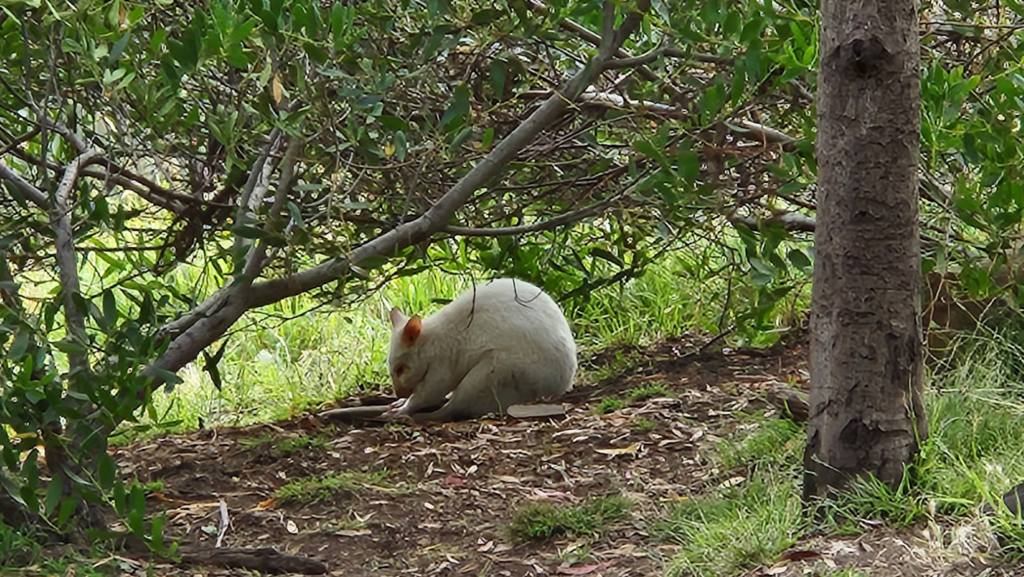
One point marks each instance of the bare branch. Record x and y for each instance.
(791, 221)
(17, 141)
(30, 192)
(255, 188)
(256, 259)
(764, 133)
(65, 256)
(10, 297)
(635, 61)
(607, 45)
(156, 195)
(629, 24)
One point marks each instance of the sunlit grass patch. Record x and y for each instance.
(322, 488)
(543, 520)
(734, 529)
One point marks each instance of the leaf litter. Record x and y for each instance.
(445, 494)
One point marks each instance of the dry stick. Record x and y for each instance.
(231, 305)
(224, 523)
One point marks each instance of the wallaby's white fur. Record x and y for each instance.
(503, 343)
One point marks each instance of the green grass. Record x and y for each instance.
(649, 391)
(544, 520)
(17, 549)
(643, 425)
(609, 405)
(322, 488)
(973, 455)
(734, 529)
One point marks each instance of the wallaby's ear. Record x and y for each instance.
(412, 329)
(398, 318)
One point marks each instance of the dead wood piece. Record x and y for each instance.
(264, 560)
(791, 402)
(535, 411)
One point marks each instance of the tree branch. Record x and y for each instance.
(257, 258)
(31, 193)
(65, 256)
(209, 321)
(255, 188)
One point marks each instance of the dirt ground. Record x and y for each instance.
(450, 491)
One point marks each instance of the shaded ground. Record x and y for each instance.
(443, 506)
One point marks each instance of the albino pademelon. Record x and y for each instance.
(498, 344)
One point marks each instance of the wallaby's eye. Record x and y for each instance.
(400, 370)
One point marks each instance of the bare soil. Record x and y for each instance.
(450, 491)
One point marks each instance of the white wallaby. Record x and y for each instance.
(499, 344)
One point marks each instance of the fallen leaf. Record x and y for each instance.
(732, 482)
(353, 532)
(583, 569)
(620, 450)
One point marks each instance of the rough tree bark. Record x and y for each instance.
(867, 414)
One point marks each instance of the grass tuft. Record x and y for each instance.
(735, 529)
(609, 405)
(322, 488)
(544, 520)
(649, 391)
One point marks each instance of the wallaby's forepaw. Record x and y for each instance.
(398, 412)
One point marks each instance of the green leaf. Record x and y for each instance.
(800, 260)
(372, 262)
(136, 510)
(18, 347)
(499, 72)
(118, 50)
(119, 498)
(157, 532)
(53, 495)
(249, 231)
(401, 146)
(106, 469)
(67, 508)
(110, 314)
(167, 377)
(458, 109)
(605, 255)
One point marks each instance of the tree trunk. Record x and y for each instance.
(867, 414)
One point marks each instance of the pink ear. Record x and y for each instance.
(397, 317)
(412, 329)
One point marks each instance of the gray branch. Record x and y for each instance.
(255, 188)
(65, 255)
(30, 192)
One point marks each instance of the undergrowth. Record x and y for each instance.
(279, 362)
